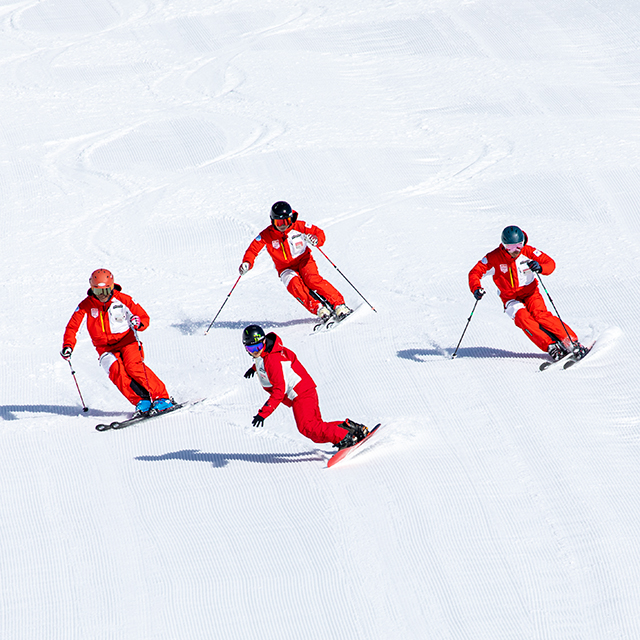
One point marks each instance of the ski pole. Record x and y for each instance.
(144, 366)
(73, 373)
(225, 302)
(345, 277)
(554, 308)
(465, 329)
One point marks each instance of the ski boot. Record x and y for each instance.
(557, 351)
(579, 351)
(323, 313)
(162, 404)
(342, 311)
(142, 408)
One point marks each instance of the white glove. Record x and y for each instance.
(312, 240)
(244, 267)
(135, 322)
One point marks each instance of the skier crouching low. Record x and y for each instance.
(514, 265)
(286, 381)
(113, 318)
(287, 241)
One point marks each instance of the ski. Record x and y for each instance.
(568, 360)
(347, 451)
(324, 325)
(550, 363)
(571, 360)
(143, 417)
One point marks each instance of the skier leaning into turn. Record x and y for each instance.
(113, 319)
(286, 381)
(514, 265)
(287, 240)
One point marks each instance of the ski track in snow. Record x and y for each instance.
(151, 138)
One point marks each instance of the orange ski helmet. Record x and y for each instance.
(101, 279)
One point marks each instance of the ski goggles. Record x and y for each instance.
(283, 223)
(255, 348)
(101, 291)
(514, 247)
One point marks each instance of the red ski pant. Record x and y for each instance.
(305, 276)
(134, 379)
(538, 323)
(306, 412)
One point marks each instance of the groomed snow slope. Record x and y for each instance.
(151, 138)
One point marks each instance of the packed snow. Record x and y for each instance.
(150, 137)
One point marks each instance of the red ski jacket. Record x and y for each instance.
(286, 249)
(281, 374)
(513, 277)
(107, 322)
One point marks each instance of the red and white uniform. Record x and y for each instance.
(294, 263)
(286, 381)
(119, 353)
(518, 290)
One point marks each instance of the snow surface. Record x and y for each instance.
(151, 137)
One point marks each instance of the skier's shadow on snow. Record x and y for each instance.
(8, 411)
(423, 355)
(193, 327)
(219, 460)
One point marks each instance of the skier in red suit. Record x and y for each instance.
(287, 241)
(286, 381)
(514, 265)
(113, 320)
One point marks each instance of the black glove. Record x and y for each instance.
(250, 372)
(478, 293)
(258, 420)
(66, 352)
(534, 265)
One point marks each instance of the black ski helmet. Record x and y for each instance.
(282, 210)
(512, 235)
(253, 334)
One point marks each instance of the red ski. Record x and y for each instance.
(347, 451)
